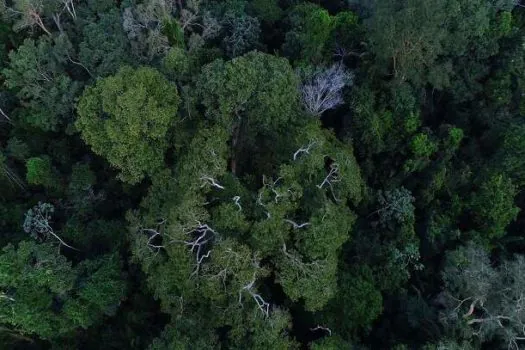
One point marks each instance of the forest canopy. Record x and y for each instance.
(262, 174)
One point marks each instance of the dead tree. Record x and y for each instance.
(324, 89)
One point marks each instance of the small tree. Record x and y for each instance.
(396, 205)
(39, 171)
(243, 34)
(37, 223)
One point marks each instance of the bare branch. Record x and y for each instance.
(331, 178)
(304, 149)
(199, 237)
(236, 201)
(319, 327)
(261, 303)
(211, 181)
(295, 225)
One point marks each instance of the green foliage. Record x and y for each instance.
(311, 27)
(45, 295)
(176, 191)
(267, 10)
(105, 47)
(508, 158)
(357, 304)
(372, 127)
(410, 36)
(422, 146)
(266, 94)
(35, 73)
(491, 220)
(126, 118)
(17, 149)
(242, 34)
(40, 171)
(176, 63)
(396, 205)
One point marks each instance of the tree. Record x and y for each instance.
(126, 118)
(492, 220)
(358, 303)
(509, 156)
(242, 34)
(28, 13)
(105, 47)
(37, 75)
(485, 299)
(323, 89)
(40, 171)
(415, 40)
(38, 223)
(256, 107)
(310, 29)
(145, 26)
(51, 298)
(396, 205)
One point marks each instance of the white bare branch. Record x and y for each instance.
(261, 303)
(70, 7)
(322, 328)
(211, 181)
(331, 178)
(5, 296)
(305, 268)
(5, 115)
(295, 225)
(304, 149)
(236, 201)
(198, 242)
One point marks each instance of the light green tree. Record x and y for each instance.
(126, 118)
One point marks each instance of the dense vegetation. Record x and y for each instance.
(262, 174)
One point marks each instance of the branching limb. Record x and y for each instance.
(330, 179)
(199, 237)
(319, 327)
(236, 201)
(211, 181)
(304, 149)
(295, 225)
(263, 306)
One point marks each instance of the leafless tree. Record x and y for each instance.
(191, 17)
(323, 89)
